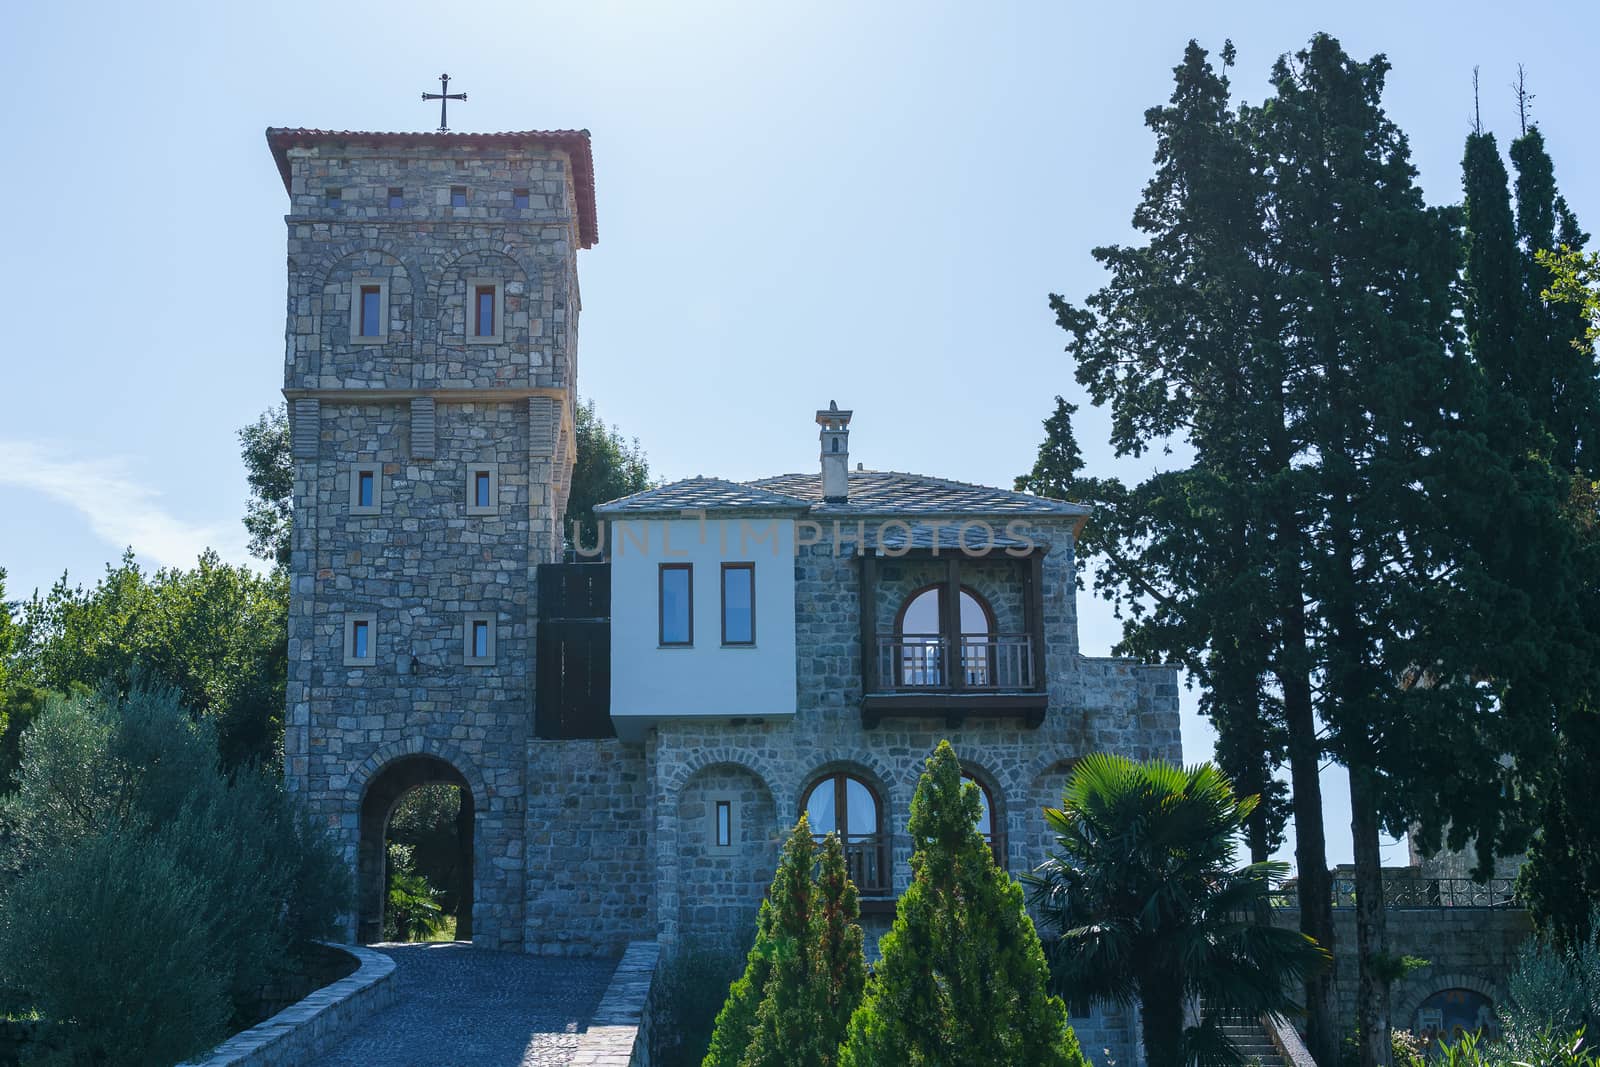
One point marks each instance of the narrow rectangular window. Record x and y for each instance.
(360, 639)
(483, 304)
(519, 199)
(724, 823)
(738, 603)
(458, 196)
(366, 482)
(480, 638)
(371, 311)
(397, 198)
(677, 604)
(480, 489)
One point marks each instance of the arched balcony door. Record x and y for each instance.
(846, 805)
(919, 637)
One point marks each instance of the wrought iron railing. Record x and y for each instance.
(1408, 892)
(987, 661)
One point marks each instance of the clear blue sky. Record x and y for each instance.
(865, 202)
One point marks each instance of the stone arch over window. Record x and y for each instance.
(1046, 784)
(380, 792)
(845, 799)
(340, 357)
(1413, 993)
(451, 299)
(919, 631)
(727, 848)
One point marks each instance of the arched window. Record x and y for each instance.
(845, 804)
(920, 635)
(986, 821)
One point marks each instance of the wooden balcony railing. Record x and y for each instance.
(867, 857)
(912, 662)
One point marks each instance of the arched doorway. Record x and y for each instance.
(383, 795)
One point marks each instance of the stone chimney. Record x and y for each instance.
(835, 453)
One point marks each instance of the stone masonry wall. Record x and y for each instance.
(1094, 704)
(590, 879)
(421, 563)
(1467, 948)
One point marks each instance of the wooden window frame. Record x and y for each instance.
(375, 469)
(469, 655)
(395, 193)
(745, 565)
(351, 624)
(358, 287)
(522, 195)
(661, 604)
(465, 198)
(469, 315)
(840, 779)
(472, 505)
(996, 838)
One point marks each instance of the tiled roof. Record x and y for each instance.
(871, 493)
(711, 494)
(574, 142)
(894, 493)
(949, 538)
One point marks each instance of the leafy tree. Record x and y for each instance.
(218, 634)
(105, 780)
(1187, 341)
(736, 1023)
(818, 968)
(269, 471)
(427, 821)
(962, 979)
(1146, 903)
(608, 466)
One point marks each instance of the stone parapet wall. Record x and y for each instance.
(301, 1032)
(1467, 948)
(619, 1034)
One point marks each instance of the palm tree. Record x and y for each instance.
(1145, 903)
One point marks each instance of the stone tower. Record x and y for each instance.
(431, 358)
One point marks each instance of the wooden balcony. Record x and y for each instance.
(954, 674)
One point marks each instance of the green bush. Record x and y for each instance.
(113, 942)
(233, 874)
(695, 983)
(1554, 990)
(411, 910)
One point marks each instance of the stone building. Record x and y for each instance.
(634, 731)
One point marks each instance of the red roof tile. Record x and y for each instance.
(574, 142)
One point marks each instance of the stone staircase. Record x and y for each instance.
(1253, 1043)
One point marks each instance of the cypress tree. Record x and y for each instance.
(962, 978)
(736, 1023)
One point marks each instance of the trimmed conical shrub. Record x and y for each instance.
(962, 980)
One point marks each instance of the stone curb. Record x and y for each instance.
(618, 1035)
(306, 1028)
(1287, 1041)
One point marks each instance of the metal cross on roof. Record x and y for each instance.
(444, 96)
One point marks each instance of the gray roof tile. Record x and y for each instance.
(895, 493)
(711, 494)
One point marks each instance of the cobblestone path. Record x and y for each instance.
(460, 1006)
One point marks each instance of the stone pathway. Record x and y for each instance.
(461, 1006)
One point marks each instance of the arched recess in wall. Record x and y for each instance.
(382, 793)
(727, 851)
(1045, 791)
(368, 320)
(483, 345)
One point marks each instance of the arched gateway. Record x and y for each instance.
(378, 802)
